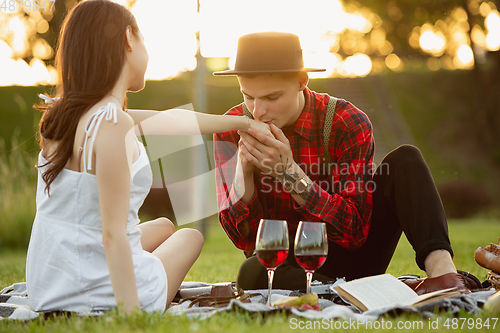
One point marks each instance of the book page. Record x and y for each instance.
(435, 295)
(380, 291)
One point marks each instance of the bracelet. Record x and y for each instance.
(291, 183)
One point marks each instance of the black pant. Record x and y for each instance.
(405, 200)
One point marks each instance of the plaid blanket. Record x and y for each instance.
(14, 303)
(14, 306)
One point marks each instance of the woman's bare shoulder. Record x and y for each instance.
(118, 127)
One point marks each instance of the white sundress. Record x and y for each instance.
(66, 266)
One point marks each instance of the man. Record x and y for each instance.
(284, 176)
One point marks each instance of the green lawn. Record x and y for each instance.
(219, 261)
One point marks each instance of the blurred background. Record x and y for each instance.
(426, 72)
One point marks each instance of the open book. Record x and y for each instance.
(375, 292)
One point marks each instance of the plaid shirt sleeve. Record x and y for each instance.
(347, 212)
(240, 221)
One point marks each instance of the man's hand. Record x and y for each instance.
(244, 185)
(243, 162)
(257, 127)
(273, 155)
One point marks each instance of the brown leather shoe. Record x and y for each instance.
(471, 282)
(445, 281)
(411, 282)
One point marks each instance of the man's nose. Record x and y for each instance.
(259, 109)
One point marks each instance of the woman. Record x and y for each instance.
(87, 251)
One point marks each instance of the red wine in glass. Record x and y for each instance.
(272, 258)
(311, 248)
(271, 246)
(311, 262)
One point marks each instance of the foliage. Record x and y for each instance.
(448, 126)
(19, 119)
(463, 199)
(17, 195)
(456, 21)
(400, 18)
(445, 121)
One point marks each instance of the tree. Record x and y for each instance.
(403, 21)
(60, 11)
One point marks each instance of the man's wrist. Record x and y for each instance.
(297, 184)
(248, 173)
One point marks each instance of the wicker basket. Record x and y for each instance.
(494, 279)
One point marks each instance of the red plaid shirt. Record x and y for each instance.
(342, 199)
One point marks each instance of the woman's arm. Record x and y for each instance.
(186, 122)
(113, 181)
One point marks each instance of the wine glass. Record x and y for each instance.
(272, 247)
(311, 248)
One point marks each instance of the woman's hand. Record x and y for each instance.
(128, 309)
(261, 127)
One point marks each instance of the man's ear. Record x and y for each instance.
(303, 80)
(128, 38)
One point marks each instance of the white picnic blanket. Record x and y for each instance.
(14, 306)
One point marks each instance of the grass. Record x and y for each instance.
(219, 261)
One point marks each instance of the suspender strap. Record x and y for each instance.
(246, 112)
(330, 112)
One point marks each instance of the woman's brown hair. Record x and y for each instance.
(90, 57)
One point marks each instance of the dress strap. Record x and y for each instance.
(110, 113)
(47, 99)
(80, 153)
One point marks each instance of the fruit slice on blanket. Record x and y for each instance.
(307, 301)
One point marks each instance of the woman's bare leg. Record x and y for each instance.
(178, 253)
(155, 232)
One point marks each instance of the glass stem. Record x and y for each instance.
(270, 276)
(309, 275)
